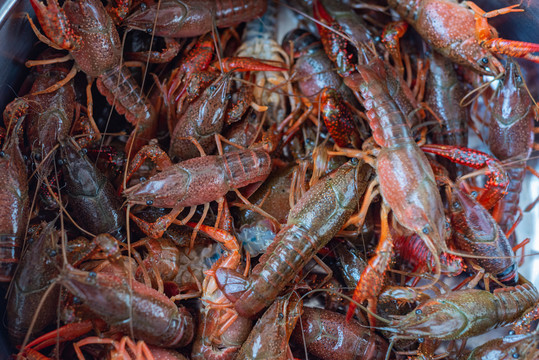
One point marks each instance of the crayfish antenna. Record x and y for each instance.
(475, 93)
(389, 348)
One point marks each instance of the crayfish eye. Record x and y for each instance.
(149, 202)
(142, 179)
(212, 88)
(447, 225)
(456, 205)
(518, 78)
(515, 355)
(280, 316)
(2, 154)
(421, 340)
(474, 194)
(60, 162)
(512, 332)
(426, 230)
(419, 311)
(484, 60)
(37, 157)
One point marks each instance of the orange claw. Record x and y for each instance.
(224, 237)
(335, 46)
(391, 36)
(372, 278)
(338, 119)
(244, 64)
(56, 25)
(497, 179)
(65, 333)
(513, 48)
(488, 37)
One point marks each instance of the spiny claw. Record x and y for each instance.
(119, 12)
(361, 293)
(513, 48)
(338, 119)
(498, 180)
(156, 229)
(337, 47)
(56, 25)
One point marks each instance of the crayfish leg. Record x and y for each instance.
(152, 152)
(60, 83)
(65, 333)
(85, 126)
(171, 50)
(506, 10)
(372, 278)
(224, 237)
(391, 36)
(483, 31)
(156, 229)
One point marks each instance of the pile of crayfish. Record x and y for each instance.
(222, 193)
